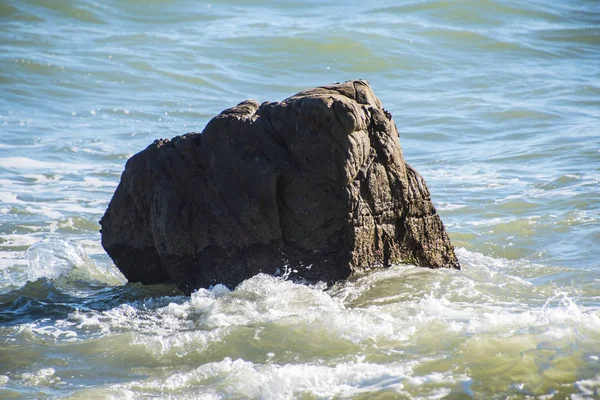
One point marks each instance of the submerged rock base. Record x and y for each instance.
(316, 183)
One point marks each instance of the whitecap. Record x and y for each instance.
(243, 379)
(41, 377)
(64, 262)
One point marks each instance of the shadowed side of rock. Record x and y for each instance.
(316, 183)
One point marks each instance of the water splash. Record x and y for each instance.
(65, 262)
(402, 331)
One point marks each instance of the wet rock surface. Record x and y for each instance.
(316, 185)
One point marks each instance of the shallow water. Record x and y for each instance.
(497, 104)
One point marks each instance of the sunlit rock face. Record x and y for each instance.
(315, 185)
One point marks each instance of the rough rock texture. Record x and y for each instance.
(316, 183)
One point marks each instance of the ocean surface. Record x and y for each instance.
(498, 107)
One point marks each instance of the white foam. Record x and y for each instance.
(54, 258)
(476, 302)
(91, 181)
(24, 164)
(41, 377)
(449, 206)
(56, 332)
(369, 334)
(45, 211)
(239, 378)
(589, 389)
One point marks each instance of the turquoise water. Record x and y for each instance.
(497, 104)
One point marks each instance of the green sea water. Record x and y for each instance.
(498, 107)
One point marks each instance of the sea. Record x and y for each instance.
(498, 106)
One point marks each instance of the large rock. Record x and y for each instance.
(316, 184)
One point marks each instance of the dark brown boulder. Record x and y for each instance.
(316, 183)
